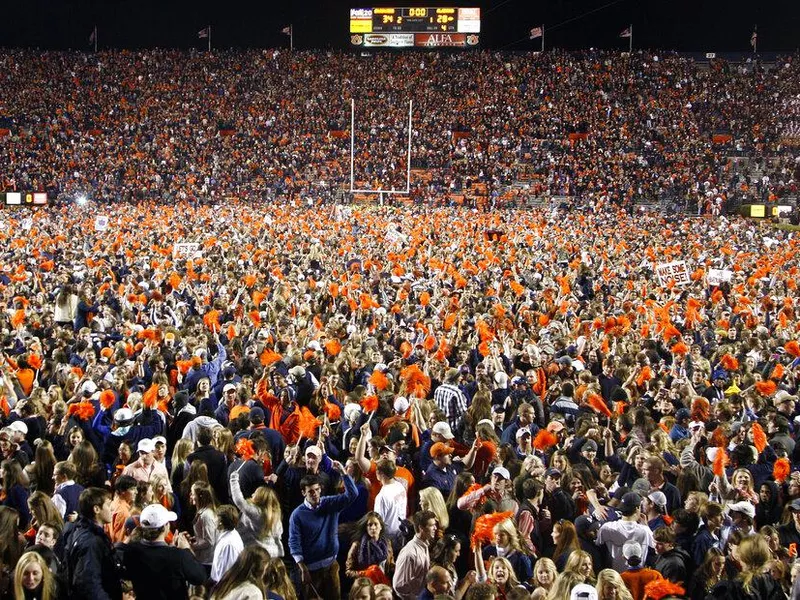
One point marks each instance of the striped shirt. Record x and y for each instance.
(453, 403)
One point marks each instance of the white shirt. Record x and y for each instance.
(391, 504)
(229, 546)
(614, 534)
(58, 501)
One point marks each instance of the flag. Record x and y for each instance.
(536, 32)
(93, 36)
(287, 30)
(625, 32)
(754, 40)
(203, 33)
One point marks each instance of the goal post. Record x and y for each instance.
(353, 190)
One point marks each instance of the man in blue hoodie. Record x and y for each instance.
(313, 535)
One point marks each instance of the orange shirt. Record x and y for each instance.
(121, 512)
(637, 579)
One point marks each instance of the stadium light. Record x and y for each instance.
(82, 200)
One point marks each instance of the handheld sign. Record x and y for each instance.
(186, 250)
(675, 271)
(101, 223)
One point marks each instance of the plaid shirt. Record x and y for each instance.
(453, 403)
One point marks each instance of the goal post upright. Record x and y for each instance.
(352, 155)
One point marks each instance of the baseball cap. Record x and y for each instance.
(498, 408)
(631, 548)
(228, 386)
(19, 426)
(682, 414)
(485, 422)
(401, 404)
(256, 415)
(657, 498)
(155, 515)
(795, 505)
(169, 336)
(696, 425)
(641, 487)
(314, 450)
(585, 524)
(629, 503)
(123, 415)
(502, 472)
(443, 429)
(159, 439)
(555, 426)
(743, 507)
(351, 409)
(565, 361)
(523, 431)
(146, 445)
(439, 449)
(590, 445)
(552, 473)
(583, 591)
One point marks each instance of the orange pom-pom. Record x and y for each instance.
(333, 411)
(661, 588)
(211, 320)
(766, 388)
(308, 423)
(35, 361)
(249, 281)
(484, 349)
(429, 343)
(269, 357)
(81, 410)
(370, 404)
(718, 438)
(645, 375)
(729, 363)
(720, 462)
(18, 318)
(107, 399)
(483, 532)
(417, 383)
(759, 438)
(376, 575)
(544, 440)
(317, 323)
(424, 299)
(406, 349)
(333, 347)
(596, 402)
(449, 321)
(670, 331)
(379, 380)
(793, 348)
(184, 366)
(255, 318)
(781, 470)
(680, 349)
(777, 372)
(150, 397)
(244, 448)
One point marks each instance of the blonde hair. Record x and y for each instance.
(183, 448)
(433, 497)
(512, 576)
(547, 565)
(563, 586)
(576, 557)
(509, 528)
(754, 554)
(611, 576)
(276, 579)
(265, 499)
(222, 440)
(48, 584)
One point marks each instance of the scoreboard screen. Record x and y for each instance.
(415, 27)
(15, 199)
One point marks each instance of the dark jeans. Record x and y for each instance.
(325, 584)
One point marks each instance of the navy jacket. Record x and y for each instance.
(90, 571)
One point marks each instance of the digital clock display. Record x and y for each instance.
(415, 27)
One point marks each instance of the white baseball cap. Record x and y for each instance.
(155, 515)
(503, 472)
(146, 445)
(583, 591)
(159, 439)
(743, 507)
(443, 429)
(19, 426)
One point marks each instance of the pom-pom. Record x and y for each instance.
(333, 412)
(759, 438)
(184, 366)
(680, 349)
(718, 439)
(211, 320)
(18, 318)
(333, 347)
(474, 488)
(370, 404)
(269, 357)
(484, 349)
(483, 533)
(670, 331)
(174, 281)
(449, 321)
(249, 281)
(544, 440)
(661, 588)
(255, 318)
(793, 348)
(107, 399)
(148, 334)
(417, 383)
(81, 410)
(150, 397)
(720, 461)
(781, 470)
(35, 361)
(766, 388)
(596, 402)
(429, 343)
(777, 372)
(406, 349)
(317, 323)
(379, 381)
(376, 575)
(729, 363)
(701, 410)
(424, 299)
(645, 375)
(308, 423)
(244, 448)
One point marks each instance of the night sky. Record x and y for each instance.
(686, 25)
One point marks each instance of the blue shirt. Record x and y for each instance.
(443, 479)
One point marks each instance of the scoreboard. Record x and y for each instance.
(14, 199)
(415, 27)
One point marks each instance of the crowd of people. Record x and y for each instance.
(211, 397)
(169, 125)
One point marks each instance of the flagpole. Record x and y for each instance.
(291, 38)
(209, 38)
(630, 40)
(95, 39)
(755, 42)
(542, 38)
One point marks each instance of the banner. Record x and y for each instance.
(186, 250)
(718, 276)
(101, 223)
(445, 40)
(389, 40)
(675, 271)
